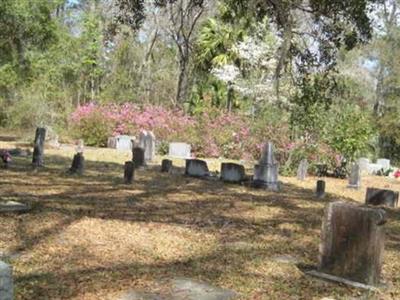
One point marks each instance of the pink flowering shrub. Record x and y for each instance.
(211, 134)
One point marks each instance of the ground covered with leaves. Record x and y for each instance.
(92, 237)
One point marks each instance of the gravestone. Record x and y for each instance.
(355, 177)
(123, 142)
(302, 169)
(80, 146)
(321, 170)
(112, 142)
(6, 282)
(320, 192)
(179, 150)
(373, 168)
(166, 165)
(364, 164)
(38, 148)
(266, 172)
(138, 157)
(196, 168)
(147, 141)
(78, 164)
(129, 172)
(188, 289)
(381, 197)
(352, 243)
(231, 172)
(13, 207)
(384, 163)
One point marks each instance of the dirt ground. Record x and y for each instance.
(92, 237)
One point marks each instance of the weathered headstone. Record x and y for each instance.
(352, 243)
(13, 207)
(266, 172)
(78, 164)
(363, 163)
(320, 192)
(384, 163)
(381, 197)
(38, 148)
(231, 172)
(129, 172)
(196, 168)
(355, 177)
(138, 157)
(302, 169)
(6, 282)
(166, 165)
(147, 141)
(179, 150)
(112, 142)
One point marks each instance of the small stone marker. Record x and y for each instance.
(147, 141)
(138, 157)
(180, 150)
(166, 165)
(302, 169)
(382, 197)
(6, 282)
(13, 206)
(266, 172)
(233, 173)
(352, 244)
(78, 164)
(38, 148)
(320, 189)
(129, 172)
(355, 177)
(196, 168)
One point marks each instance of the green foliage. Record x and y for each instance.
(350, 131)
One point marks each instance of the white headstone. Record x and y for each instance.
(384, 163)
(123, 142)
(363, 163)
(179, 150)
(374, 168)
(147, 141)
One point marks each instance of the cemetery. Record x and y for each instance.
(145, 226)
(199, 150)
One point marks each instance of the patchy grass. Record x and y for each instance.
(92, 237)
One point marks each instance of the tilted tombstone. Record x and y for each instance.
(355, 177)
(166, 165)
(352, 243)
(6, 282)
(129, 172)
(78, 164)
(302, 169)
(138, 157)
(196, 168)
(266, 172)
(231, 172)
(381, 197)
(38, 149)
(179, 150)
(147, 141)
(320, 192)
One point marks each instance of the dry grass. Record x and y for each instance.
(92, 237)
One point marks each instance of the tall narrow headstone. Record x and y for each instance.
(147, 141)
(266, 172)
(352, 243)
(320, 192)
(302, 169)
(129, 172)
(138, 157)
(78, 164)
(6, 282)
(355, 177)
(38, 148)
(382, 197)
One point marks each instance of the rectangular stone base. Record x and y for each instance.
(260, 184)
(342, 280)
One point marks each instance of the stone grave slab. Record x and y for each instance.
(123, 142)
(138, 295)
(138, 157)
(196, 168)
(147, 141)
(13, 206)
(363, 163)
(352, 244)
(233, 173)
(355, 177)
(320, 191)
(302, 169)
(188, 289)
(180, 150)
(166, 166)
(381, 197)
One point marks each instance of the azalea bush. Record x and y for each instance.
(213, 133)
